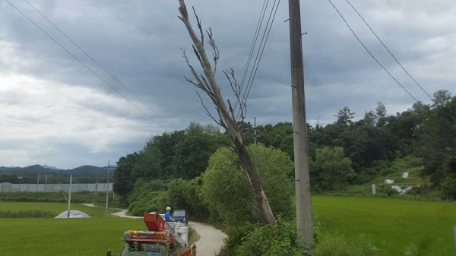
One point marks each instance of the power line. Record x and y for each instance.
(392, 55)
(272, 14)
(359, 40)
(83, 64)
(255, 38)
(266, 37)
(109, 73)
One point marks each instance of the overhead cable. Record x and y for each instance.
(359, 40)
(83, 64)
(392, 55)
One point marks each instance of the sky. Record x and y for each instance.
(123, 81)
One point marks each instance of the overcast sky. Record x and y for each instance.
(55, 111)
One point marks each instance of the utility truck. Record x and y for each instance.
(160, 239)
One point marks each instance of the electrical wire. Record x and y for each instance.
(255, 38)
(83, 64)
(359, 40)
(245, 88)
(249, 85)
(98, 64)
(392, 55)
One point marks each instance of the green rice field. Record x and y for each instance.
(392, 225)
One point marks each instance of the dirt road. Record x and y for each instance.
(211, 239)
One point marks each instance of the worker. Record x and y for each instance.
(168, 217)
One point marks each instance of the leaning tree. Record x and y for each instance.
(229, 114)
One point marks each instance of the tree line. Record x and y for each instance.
(343, 152)
(197, 170)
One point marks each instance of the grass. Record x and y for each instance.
(49, 236)
(91, 236)
(393, 225)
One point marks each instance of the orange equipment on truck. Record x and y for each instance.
(160, 239)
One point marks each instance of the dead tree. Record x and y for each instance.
(226, 115)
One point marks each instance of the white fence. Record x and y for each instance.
(92, 187)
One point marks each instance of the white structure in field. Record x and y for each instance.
(72, 214)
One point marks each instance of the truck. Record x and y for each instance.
(160, 239)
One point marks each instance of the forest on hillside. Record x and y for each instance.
(341, 153)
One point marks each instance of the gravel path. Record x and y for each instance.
(211, 239)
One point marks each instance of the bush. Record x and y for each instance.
(144, 198)
(449, 187)
(385, 189)
(226, 187)
(280, 239)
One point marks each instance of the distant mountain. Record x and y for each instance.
(88, 170)
(51, 167)
(85, 170)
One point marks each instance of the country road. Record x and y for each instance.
(211, 239)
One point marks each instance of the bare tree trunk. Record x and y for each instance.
(227, 118)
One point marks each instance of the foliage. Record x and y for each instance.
(279, 239)
(226, 188)
(122, 178)
(147, 196)
(449, 187)
(331, 169)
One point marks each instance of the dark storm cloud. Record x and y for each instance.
(141, 42)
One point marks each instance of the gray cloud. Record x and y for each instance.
(56, 112)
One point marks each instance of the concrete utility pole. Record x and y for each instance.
(301, 155)
(107, 185)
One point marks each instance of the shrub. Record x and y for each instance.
(226, 187)
(279, 239)
(449, 187)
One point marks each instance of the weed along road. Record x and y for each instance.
(211, 239)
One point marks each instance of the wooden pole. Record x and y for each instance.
(302, 178)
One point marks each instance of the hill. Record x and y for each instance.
(30, 174)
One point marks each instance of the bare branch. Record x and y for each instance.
(216, 52)
(198, 21)
(197, 54)
(207, 110)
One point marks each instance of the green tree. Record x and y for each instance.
(148, 164)
(193, 151)
(332, 168)
(437, 136)
(226, 188)
(122, 179)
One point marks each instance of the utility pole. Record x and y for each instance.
(301, 155)
(254, 130)
(107, 191)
